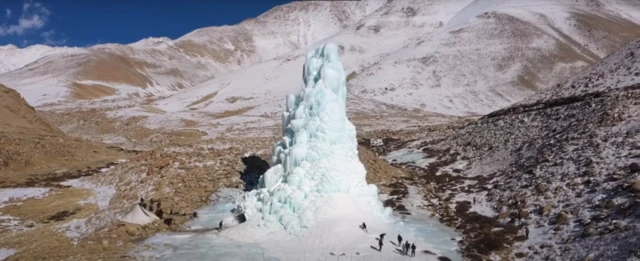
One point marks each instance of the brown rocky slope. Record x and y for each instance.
(32, 146)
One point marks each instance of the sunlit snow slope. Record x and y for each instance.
(156, 67)
(451, 57)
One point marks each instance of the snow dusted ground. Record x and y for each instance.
(9, 222)
(102, 195)
(8, 194)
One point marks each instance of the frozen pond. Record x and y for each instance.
(204, 242)
(405, 156)
(415, 157)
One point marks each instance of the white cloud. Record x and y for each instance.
(34, 16)
(8, 11)
(50, 39)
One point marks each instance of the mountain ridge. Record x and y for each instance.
(448, 58)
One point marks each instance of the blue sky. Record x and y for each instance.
(86, 23)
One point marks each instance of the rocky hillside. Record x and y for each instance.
(31, 145)
(554, 177)
(16, 115)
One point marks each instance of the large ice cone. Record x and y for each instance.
(317, 157)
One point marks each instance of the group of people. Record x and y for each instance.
(157, 211)
(405, 247)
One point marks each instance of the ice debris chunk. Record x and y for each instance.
(317, 156)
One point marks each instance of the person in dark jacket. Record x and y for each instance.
(380, 245)
(382, 236)
(364, 227)
(168, 221)
(406, 247)
(399, 240)
(413, 249)
(159, 213)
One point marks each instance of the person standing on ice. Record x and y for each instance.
(364, 227)
(399, 240)
(406, 247)
(413, 249)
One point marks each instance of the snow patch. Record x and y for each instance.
(404, 156)
(6, 252)
(101, 194)
(21, 193)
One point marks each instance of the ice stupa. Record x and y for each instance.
(316, 171)
(310, 203)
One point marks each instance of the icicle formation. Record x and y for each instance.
(318, 154)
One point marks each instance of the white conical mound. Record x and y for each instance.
(316, 162)
(138, 215)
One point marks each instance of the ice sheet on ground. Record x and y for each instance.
(345, 237)
(6, 252)
(421, 225)
(416, 157)
(20, 193)
(404, 156)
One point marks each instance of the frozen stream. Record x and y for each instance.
(204, 242)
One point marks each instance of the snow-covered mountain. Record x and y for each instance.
(160, 66)
(461, 57)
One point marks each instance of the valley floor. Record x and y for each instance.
(464, 169)
(76, 205)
